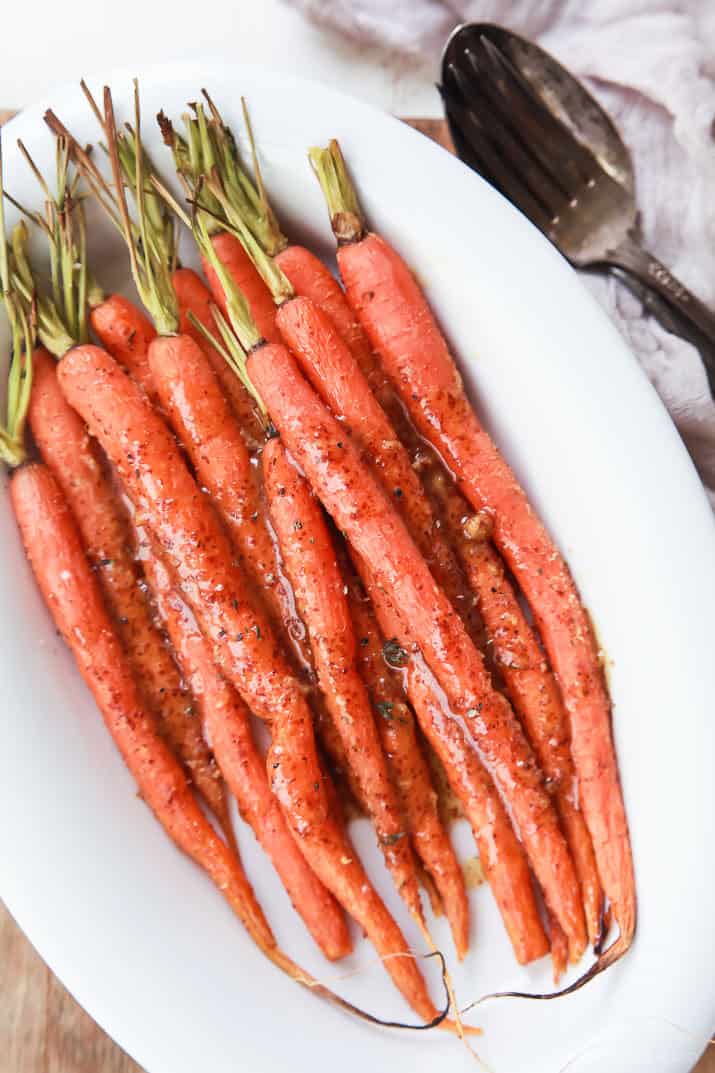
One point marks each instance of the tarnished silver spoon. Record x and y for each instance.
(535, 132)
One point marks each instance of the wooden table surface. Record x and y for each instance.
(42, 1028)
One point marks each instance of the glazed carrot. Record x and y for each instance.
(183, 525)
(409, 768)
(501, 855)
(334, 373)
(529, 682)
(201, 417)
(196, 299)
(310, 278)
(81, 472)
(309, 558)
(126, 333)
(227, 723)
(72, 594)
(400, 325)
(361, 510)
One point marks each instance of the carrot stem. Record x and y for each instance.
(19, 385)
(346, 218)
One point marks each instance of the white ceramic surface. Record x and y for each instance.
(135, 931)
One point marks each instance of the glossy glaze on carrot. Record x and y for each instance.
(362, 511)
(227, 724)
(72, 594)
(529, 681)
(334, 373)
(310, 562)
(126, 333)
(408, 765)
(190, 539)
(501, 855)
(396, 317)
(82, 473)
(195, 298)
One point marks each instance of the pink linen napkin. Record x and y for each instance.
(651, 63)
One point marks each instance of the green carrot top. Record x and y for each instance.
(209, 165)
(22, 342)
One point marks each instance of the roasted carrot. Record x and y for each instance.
(185, 529)
(529, 682)
(195, 298)
(73, 597)
(228, 727)
(78, 467)
(408, 765)
(72, 594)
(126, 333)
(400, 325)
(200, 415)
(501, 855)
(310, 561)
(332, 370)
(375, 531)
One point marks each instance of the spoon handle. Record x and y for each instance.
(679, 310)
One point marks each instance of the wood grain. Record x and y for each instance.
(42, 1028)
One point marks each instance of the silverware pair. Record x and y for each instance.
(528, 126)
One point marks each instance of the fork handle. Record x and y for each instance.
(683, 312)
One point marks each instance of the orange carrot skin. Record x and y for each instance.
(332, 370)
(240, 267)
(502, 857)
(194, 297)
(201, 417)
(361, 510)
(559, 950)
(185, 529)
(312, 279)
(78, 467)
(394, 313)
(126, 333)
(72, 594)
(409, 768)
(319, 587)
(529, 682)
(228, 727)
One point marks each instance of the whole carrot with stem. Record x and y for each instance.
(81, 471)
(380, 662)
(401, 327)
(184, 527)
(202, 418)
(319, 587)
(358, 505)
(529, 681)
(227, 723)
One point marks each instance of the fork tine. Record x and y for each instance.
(477, 149)
(550, 138)
(482, 97)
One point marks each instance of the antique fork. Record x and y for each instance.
(533, 130)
